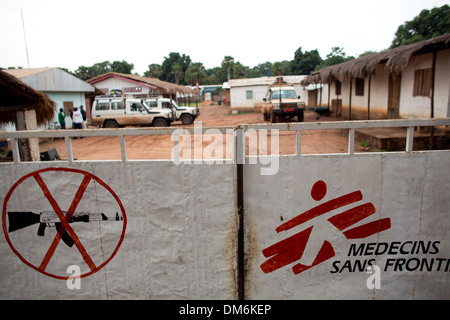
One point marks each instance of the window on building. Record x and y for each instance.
(249, 95)
(359, 86)
(422, 83)
(338, 88)
(132, 89)
(68, 106)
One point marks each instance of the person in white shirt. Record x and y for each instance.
(77, 119)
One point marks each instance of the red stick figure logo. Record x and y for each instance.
(292, 249)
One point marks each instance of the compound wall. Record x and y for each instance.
(311, 230)
(170, 232)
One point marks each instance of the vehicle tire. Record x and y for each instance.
(160, 122)
(186, 119)
(301, 116)
(110, 124)
(273, 118)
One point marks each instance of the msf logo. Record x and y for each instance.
(292, 249)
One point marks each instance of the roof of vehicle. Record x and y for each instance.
(115, 98)
(282, 88)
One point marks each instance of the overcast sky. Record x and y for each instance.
(61, 33)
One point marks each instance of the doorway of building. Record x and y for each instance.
(394, 96)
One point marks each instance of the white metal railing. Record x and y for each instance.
(352, 125)
(238, 133)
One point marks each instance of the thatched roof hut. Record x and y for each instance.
(395, 60)
(16, 95)
(162, 86)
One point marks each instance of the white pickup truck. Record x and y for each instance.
(281, 101)
(186, 115)
(115, 112)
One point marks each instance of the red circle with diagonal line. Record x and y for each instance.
(64, 224)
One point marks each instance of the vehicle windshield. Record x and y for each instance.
(174, 104)
(146, 105)
(285, 94)
(169, 104)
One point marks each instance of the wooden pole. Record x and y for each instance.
(433, 76)
(28, 148)
(350, 101)
(368, 99)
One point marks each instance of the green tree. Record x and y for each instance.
(86, 73)
(195, 73)
(228, 63)
(336, 56)
(305, 63)
(428, 24)
(177, 71)
(122, 67)
(154, 71)
(169, 69)
(216, 75)
(281, 68)
(240, 71)
(264, 69)
(83, 73)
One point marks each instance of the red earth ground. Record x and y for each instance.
(160, 147)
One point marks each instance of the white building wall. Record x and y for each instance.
(77, 98)
(379, 92)
(414, 107)
(238, 95)
(410, 106)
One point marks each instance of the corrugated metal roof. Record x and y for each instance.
(51, 80)
(264, 81)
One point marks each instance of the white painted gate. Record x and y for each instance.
(315, 228)
(276, 227)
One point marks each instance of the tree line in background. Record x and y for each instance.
(178, 68)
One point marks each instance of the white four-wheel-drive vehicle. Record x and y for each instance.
(281, 101)
(186, 115)
(115, 112)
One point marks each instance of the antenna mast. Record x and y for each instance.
(25, 37)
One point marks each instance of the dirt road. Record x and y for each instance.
(160, 147)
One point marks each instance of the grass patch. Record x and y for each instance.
(237, 112)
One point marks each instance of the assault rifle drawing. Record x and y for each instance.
(20, 220)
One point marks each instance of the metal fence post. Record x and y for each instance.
(239, 161)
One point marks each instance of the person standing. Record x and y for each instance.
(62, 118)
(83, 113)
(77, 119)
